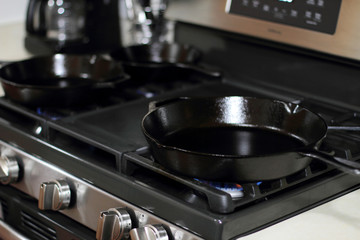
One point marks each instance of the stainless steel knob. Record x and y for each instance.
(149, 232)
(114, 224)
(9, 169)
(54, 195)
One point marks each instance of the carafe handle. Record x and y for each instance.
(35, 6)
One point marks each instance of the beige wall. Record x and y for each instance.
(12, 10)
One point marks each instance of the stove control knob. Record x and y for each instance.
(114, 224)
(149, 232)
(54, 195)
(9, 169)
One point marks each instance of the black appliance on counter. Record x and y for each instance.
(72, 26)
(92, 166)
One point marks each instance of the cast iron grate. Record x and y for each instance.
(220, 201)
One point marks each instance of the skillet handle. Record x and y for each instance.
(344, 128)
(156, 104)
(200, 70)
(345, 165)
(112, 83)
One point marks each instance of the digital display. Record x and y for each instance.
(316, 15)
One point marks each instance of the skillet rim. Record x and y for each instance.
(231, 156)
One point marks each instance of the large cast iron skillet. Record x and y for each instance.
(236, 138)
(60, 79)
(162, 61)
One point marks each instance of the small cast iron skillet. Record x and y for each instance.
(60, 80)
(162, 61)
(236, 138)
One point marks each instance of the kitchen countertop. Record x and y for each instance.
(337, 219)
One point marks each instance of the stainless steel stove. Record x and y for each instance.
(88, 173)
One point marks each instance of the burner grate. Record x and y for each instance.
(218, 200)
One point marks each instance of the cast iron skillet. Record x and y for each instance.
(60, 79)
(236, 138)
(162, 61)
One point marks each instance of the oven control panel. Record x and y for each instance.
(329, 26)
(317, 15)
(82, 201)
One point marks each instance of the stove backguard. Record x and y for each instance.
(267, 64)
(324, 26)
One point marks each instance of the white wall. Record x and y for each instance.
(12, 10)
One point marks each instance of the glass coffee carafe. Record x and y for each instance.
(65, 19)
(147, 20)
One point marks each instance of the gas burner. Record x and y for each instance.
(234, 189)
(142, 92)
(49, 113)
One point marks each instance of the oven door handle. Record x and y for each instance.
(7, 232)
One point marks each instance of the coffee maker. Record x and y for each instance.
(67, 26)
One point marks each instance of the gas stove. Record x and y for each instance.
(86, 173)
(103, 157)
